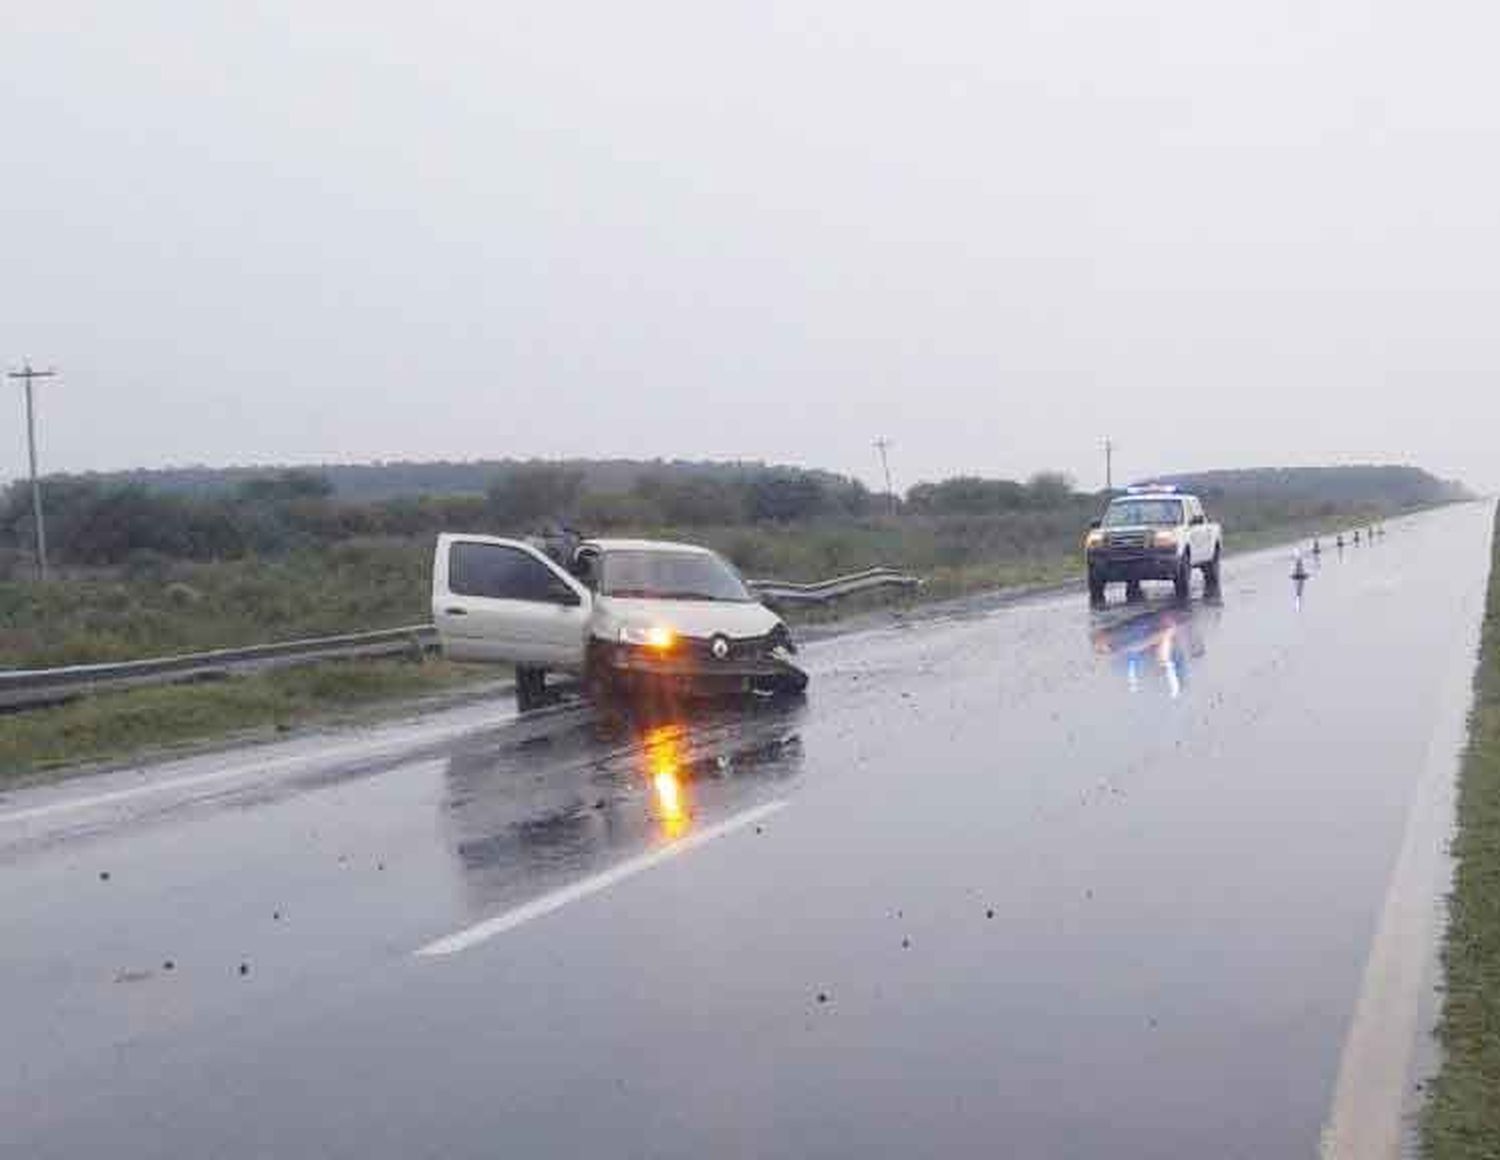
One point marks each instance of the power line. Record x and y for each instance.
(28, 376)
(883, 445)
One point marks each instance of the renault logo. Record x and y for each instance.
(720, 648)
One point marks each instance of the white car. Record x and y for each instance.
(628, 616)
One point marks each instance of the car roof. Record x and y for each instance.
(643, 546)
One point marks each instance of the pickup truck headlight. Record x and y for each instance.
(1164, 538)
(1093, 539)
(657, 637)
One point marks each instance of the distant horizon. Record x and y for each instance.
(869, 475)
(1121, 478)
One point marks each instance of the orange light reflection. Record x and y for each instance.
(663, 756)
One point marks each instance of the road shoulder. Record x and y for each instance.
(1461, 1118)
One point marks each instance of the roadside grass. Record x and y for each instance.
(1461, 1118)
(157, 606)
(154, 720)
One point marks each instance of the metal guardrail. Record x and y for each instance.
(20, 688)
(23, 688)
(873, 579)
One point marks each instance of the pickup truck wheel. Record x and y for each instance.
(1133, 593)
(1096, 590)
(1211, 572)
(1182, 583)
(531, 688)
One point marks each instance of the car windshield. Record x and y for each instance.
(1148, 512)
(670, 576)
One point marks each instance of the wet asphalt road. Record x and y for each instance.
(1027, 882)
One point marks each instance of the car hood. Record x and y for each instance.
(696, 618)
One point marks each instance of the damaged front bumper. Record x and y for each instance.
(693, 668)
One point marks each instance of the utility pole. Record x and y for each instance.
(1109, 464)
(883, 445)
(27, 376)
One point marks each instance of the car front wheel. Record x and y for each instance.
(598, 681)
(531, 688)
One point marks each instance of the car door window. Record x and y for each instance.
(502, 573)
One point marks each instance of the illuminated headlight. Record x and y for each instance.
(1164, 538)
(1093, 539)
(655, 636)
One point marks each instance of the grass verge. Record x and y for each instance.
(117, 725)
(1461, 1119)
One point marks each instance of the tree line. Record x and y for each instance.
(95, 521)
(103, 520)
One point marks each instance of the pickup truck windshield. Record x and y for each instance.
(1148, 512)
(670, 576)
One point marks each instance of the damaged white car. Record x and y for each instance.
(629, 617)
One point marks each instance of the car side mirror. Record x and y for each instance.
(1095, 523)
(1198, 520)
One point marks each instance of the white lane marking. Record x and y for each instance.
(1370, 1102)
(483, 931)
(355, 752)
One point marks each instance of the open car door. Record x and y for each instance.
(502, 600)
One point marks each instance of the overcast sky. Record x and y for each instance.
(1224, 234)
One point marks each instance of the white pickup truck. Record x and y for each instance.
(628, 616)
(1153, 532)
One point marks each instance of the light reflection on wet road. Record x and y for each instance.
(604, 792)
(1049, 882)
